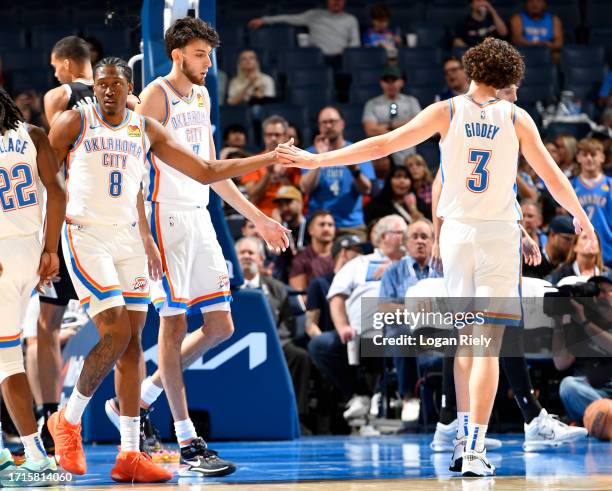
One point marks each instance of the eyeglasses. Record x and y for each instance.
(328, 122)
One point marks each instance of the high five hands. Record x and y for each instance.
(292, 156)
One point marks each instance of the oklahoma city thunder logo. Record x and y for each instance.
(200, 100)
(140, 283)
(133, 130)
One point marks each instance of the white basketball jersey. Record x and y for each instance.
(189, 121)
(105, 167)
(20, 186)
(478, 161)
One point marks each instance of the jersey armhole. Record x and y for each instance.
(167, 105)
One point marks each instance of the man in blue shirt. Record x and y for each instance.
(337, 189)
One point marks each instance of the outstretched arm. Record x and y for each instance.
(182, 159)
(433, 119)
(559, 186)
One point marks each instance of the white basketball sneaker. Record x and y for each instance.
(476, 464)
(357, 407)
(545, 431)
(457, 458)
(445, 435)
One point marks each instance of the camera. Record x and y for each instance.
(578, 291)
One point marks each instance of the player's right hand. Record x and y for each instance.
(294, 157)
(48, 268)
(346, 333)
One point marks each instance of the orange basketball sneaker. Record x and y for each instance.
(137, 466)
(68, 443)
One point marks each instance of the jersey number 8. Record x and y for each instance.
(18, 179)
(114, 188)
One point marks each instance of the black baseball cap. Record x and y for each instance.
(391, 71)
(562, 224)
(346, 241)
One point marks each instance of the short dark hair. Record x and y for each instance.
(380, 11)
(320, 213)
(71, 47)
(275, 119)
(121, 65)
(495, 63)
(452, 58)
(233, 128)
(185, 30)
(335, 108)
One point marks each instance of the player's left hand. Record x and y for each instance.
(292, 156)
(273, 233)
(531, 251)
(48, 268)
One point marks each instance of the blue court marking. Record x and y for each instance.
(385, 457)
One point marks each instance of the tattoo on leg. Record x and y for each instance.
(98, 364)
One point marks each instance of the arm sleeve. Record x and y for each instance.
(343, 282)
(302, 19)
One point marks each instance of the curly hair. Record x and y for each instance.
(495, 63)
(185, 30)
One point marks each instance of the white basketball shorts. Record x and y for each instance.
(107, 265)
(195, 272)
(20, 257)
(482, 259)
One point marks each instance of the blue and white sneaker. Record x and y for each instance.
(29, 474)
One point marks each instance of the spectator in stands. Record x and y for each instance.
(553, 150)
(234, 139)
(251, 254)
(532, 221)
(396, 280)
(337, 189)
(316, 258)
(592, 379)
(358, 278)
(536, 26)
(294, 132)
(390, 110)
(567, 149)
(318, 316)
(96, 51)
(558, 245)
(29, 103)
(483, 21)
(422, 180)
(594, 191)
(396, 197)
(583, 260)
(250, 85)
(262, 184)
(331, 29)
(289, 204)
(380, 34)
(457, 82)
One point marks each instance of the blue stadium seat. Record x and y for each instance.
(351, 113)
(582, 56)
(425, 95)
(367, 76)
(354, 132)
(354, 59)
(430, 151)
(602, 36)
(578, 130)
(569, 13)
(39, 80)
(321, 76)
(12, 37)
(360, 94)
(294, 58)
(529, 94)
(115, 39)
(24, 60)
(89, 15)
(425, 77)
(459, 51)
(236, 115)
(431, 36)
(419, 57)
(44, 36)
(540, 75)
(312, 98)
(232, 35)
(535, 55)
(274, 37)
(297, 115)
(447, 15)
(583, 91)
(584, 75)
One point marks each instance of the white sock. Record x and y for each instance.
(34, 449)
(462, 424)
(149, 392)
(129, 427)
(476, 437)
(185, 431)
(76, 407)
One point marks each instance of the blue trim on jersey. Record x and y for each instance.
(152, 175)
(78, 138)
(100, 295)
(10, 344)
(441, 165)
(450, 105)
(137, 300)
(100, 115)
(205, 303)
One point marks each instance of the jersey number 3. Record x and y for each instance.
(15, 186)
(479, 180)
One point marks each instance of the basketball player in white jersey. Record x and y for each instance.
(105, 146)
(195, 277)
(27, 164)
(480, 237)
